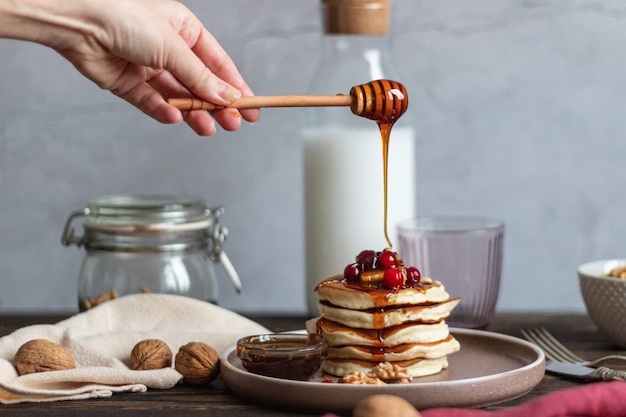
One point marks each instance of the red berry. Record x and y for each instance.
(367, 259)
(352, 271)
(413, 274)
(387, 259)
(393, 278)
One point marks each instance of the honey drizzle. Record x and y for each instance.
(383, 101)
(385, 133)
(390, 102)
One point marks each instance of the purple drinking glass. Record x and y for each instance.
(465, 254)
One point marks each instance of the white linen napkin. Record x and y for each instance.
(102, 338)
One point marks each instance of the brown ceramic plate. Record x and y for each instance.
(489, 369)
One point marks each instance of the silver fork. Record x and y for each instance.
(555, 350)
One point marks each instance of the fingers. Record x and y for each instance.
(145, 97)
(203, 83)
(210, 69)
(200, 121)
(194, 73)
(249, 115)
(229, 119)
(192, 63)
(210, 52)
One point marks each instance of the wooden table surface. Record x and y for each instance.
(575, 331)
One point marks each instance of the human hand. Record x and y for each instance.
(144, 51)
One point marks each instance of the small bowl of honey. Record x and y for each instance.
(292, 356)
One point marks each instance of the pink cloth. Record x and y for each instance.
(599, 399)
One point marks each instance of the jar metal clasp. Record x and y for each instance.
(69, 235)
(220, 233)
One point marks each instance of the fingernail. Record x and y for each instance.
(229, 93)
(235, 113)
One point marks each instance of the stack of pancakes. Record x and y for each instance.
(367, 324)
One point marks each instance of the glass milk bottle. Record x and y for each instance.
(343, 162)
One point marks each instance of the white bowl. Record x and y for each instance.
(605, 298)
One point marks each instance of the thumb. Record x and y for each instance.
(196, 75)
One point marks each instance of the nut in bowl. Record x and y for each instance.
(604, 294)
(283, 355)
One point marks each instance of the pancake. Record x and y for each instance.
(416, 367)
(340, 335)
(358, 296)
(389, 316)
(396, 353)
(372, 318)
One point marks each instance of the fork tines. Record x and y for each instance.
(553, 349)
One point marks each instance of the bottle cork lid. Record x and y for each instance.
(356, 17)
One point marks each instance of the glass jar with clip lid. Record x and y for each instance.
(149, 243)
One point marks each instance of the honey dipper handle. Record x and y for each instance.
(264, 101)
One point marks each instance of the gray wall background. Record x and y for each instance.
(518, 106)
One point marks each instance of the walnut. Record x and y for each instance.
(112, 294)
(41, 355)
(198, 363)
(150, 354)
(102, 298)
(360, 378)
(391, 373)
(384, 405)
(619, 272)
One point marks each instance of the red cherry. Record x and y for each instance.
(413, 274)
(393, 278)
(367, 259)
(352, 271)
(387, 259)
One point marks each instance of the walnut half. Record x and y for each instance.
(391, 373)
(383, 373)
(357, 377)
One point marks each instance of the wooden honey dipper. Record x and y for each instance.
(383, 101)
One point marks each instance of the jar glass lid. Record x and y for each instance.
(153, 212)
